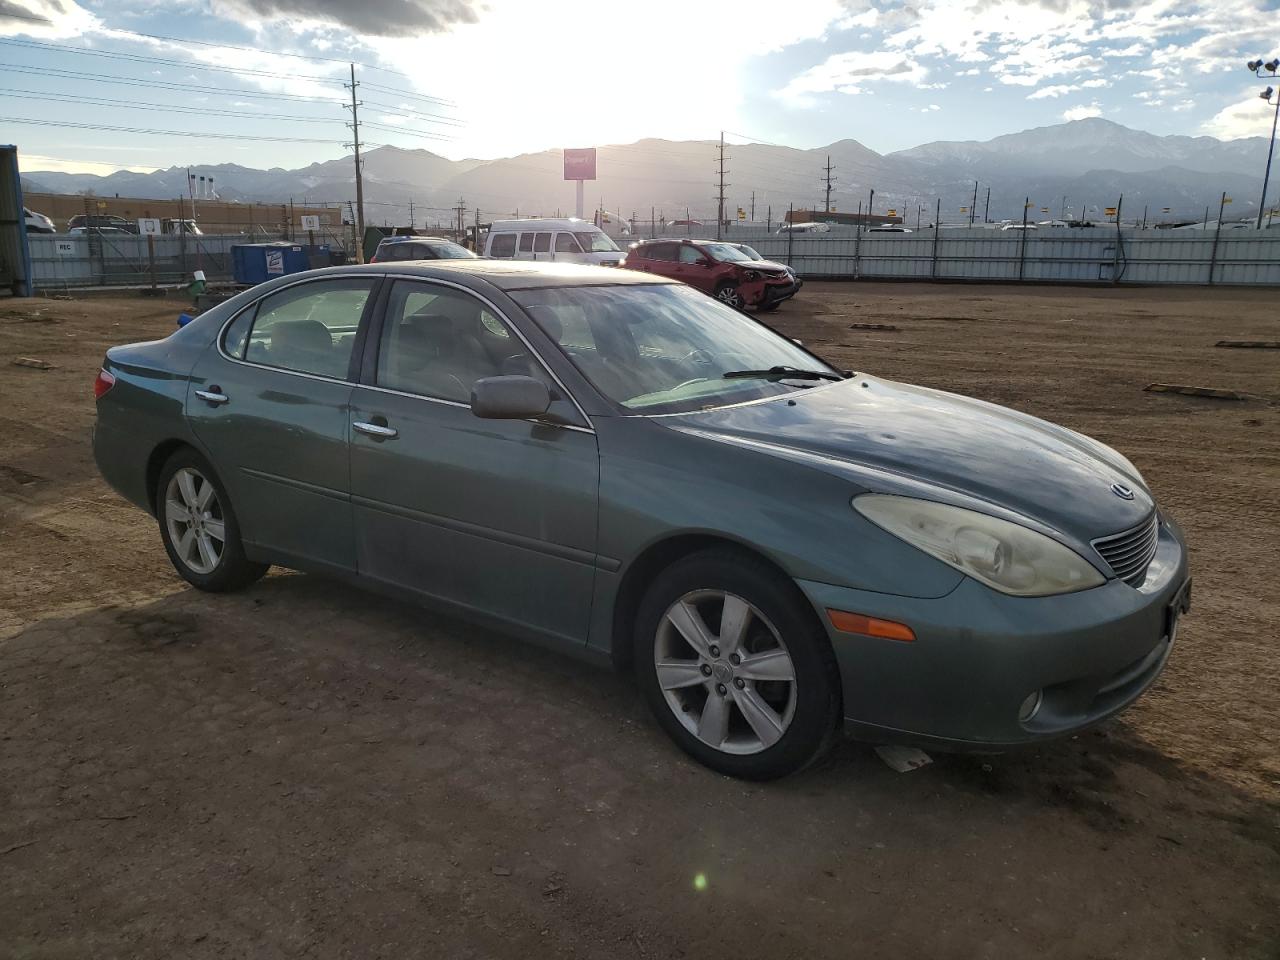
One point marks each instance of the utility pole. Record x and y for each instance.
(461, 211)
(720, 195)
(753, 206)
(986, 210)
(828, 178)
(973, 207)
(355, 143)
(412, 225)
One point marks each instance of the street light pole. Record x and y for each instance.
(1257, 66)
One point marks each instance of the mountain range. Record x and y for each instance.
(1073, 169)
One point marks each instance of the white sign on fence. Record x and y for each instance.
(149, 226)
(65, 248)
(310, 223)
(275, 263)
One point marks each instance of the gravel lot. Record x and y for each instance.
(302, 770)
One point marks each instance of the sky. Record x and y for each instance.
(124, 84)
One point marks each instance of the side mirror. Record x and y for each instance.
(705, 262)
(509, 398)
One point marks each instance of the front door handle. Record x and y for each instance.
(213, 395)
(376, 430)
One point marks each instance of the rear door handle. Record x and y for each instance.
(213, 395)
(376, 430)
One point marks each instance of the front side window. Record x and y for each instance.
(667, 348)
(311, 327)
(690, 254)
(503, 245)
(596, 241)
(437, 341)
(565, 243)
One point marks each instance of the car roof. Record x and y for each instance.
(507, 274)
(416, 238)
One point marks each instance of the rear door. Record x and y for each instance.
(270, 403)
(498, 516)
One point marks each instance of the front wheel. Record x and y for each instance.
(728, 294)
(735, 666)
(199, 527)
(769, 307)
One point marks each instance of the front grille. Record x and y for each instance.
(1129, 553)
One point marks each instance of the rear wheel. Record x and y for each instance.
(735, 667)
(727, 293)
(198, 526)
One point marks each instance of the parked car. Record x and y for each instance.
(804, 228)
(420, 248)
(772, 264)
(619, 466)
(716, 268)
(889, 228)
(1019, 226)
(98, 231)
(37, 222)
(565, 239)
(103, 220)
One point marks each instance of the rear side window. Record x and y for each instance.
(237, 334)
(659, 251)
(565, 243)
(526, 243)
(397, 251)
(502, 245)
(542, 243)
(309, 328)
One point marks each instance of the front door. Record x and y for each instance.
(496, 515)
(269, 402)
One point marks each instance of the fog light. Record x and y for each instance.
(1030, 707)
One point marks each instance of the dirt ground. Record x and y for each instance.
(303, 770)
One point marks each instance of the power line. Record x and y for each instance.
(160, 84)
(432, 117)
(152, 131)
(167, 61)
(20, 94)
(407, 95)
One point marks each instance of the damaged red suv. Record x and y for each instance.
(717, 268)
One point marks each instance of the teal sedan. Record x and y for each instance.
(622, 467)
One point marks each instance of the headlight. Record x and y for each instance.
(1005, 556)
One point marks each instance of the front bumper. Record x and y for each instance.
(979, 654)
(777, 292)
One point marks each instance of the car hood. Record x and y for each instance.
(772, 265)
(897, 438)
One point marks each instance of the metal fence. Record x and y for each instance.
(1047, 255)
(64, 261)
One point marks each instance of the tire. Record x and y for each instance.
(779, 635)
(727, 293)
(186, 479)
(769, 307)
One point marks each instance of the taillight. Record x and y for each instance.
(103, 383)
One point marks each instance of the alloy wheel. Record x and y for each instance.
(729, 295)
(194, 520)
(734, 686)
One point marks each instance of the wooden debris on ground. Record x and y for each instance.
(1250, 344)
(872, 326)
(1189, 391)
(34, 363)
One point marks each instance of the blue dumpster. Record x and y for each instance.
(253, 263)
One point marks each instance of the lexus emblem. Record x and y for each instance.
(1121, 491)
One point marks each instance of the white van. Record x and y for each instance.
(568, 240)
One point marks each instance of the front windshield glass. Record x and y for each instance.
(665, 349)
(750, 251)
(451, 251)
(596, 241)
(724, 252)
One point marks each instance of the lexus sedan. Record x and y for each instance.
(620, 466)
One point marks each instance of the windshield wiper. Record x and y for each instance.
(781, 373)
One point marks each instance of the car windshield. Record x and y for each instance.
(726, 252)
(666, 349)
(749, 251)
(451, 251)
(596, 241)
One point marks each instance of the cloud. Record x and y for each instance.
(847, 73)
(45, 19)
(386, 18)
(1250, 116)
(1083, 112)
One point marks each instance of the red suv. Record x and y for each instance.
(717, 268)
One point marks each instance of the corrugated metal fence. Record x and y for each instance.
(1046, 255)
